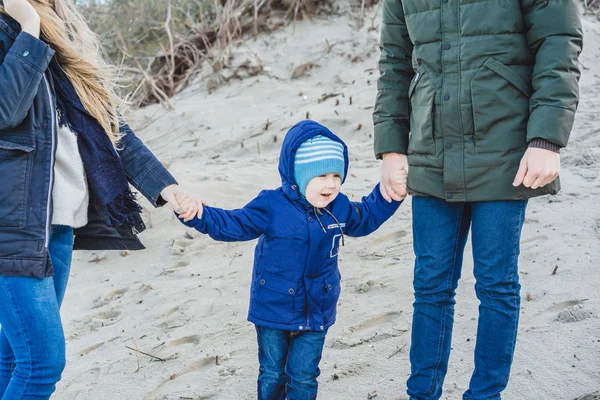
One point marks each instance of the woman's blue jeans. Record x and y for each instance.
(32, 342)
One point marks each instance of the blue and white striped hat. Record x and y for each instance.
(317, 156)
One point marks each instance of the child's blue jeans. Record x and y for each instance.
(289, 364)
(32, 342)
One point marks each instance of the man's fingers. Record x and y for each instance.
(520, 173)
(530, 178)
(550, 177)
(539, 182)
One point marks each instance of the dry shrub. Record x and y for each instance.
(161, 44)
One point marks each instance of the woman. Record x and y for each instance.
(65, 163)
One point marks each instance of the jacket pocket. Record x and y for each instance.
(500, 103)
(15, 175)
(421, 95)
(331, 290)
(275, 298)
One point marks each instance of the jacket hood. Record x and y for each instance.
(297, 135)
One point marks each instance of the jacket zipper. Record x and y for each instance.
(52, 155)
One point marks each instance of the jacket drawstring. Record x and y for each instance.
(337, 222)
(317, 212)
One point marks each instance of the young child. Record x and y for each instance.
(296, 281)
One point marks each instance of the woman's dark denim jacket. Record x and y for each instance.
(27, 148)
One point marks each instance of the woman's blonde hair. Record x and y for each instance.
(78, 52)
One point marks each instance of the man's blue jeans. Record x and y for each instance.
(440, 231)
(289, 364)
(32, 342)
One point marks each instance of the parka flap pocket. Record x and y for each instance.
(509, 75)
(278, 284)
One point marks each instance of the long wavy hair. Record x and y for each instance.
(79, 54)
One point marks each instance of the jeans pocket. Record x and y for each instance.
(15, 170)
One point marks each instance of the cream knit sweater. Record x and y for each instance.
(70, 195)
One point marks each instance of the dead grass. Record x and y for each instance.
(161, 44)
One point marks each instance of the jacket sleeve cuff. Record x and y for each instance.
(388, 209)
(539, 143)
(390, 137)
(32, 51)
(197, 223)
(553, 124)
(158, 179)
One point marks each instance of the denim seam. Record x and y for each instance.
(22, 331)
(444, 313)
(516, 273)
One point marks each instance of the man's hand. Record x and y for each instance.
(393, 167)
(538, 168)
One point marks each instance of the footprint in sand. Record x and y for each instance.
(88, 350)
(177, 316)
(173, 268)
(347, 370)
(591, 396)
(566, 311)
(110, 297)
(98, 320)
(378, 328)
(193, 339)
(574, 313)
(105, 318)
(532, 242)
(190, 374)
(387, 246)
(570, 311)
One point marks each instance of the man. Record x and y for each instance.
(477, 97)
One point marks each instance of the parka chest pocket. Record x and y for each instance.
(421, 95)
(276, 297)
(15, 177)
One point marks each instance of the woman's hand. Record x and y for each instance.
(182, 202)
(24, 13)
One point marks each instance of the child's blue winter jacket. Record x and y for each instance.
(296, 281)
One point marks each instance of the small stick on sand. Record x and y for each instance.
(146, 354)
(396, 352)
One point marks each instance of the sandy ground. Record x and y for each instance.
(184, 299)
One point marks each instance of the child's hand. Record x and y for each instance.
(190, 207)
(400, 179)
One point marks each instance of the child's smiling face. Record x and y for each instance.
(323, 189)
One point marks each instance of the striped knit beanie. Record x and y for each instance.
(317, 156)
